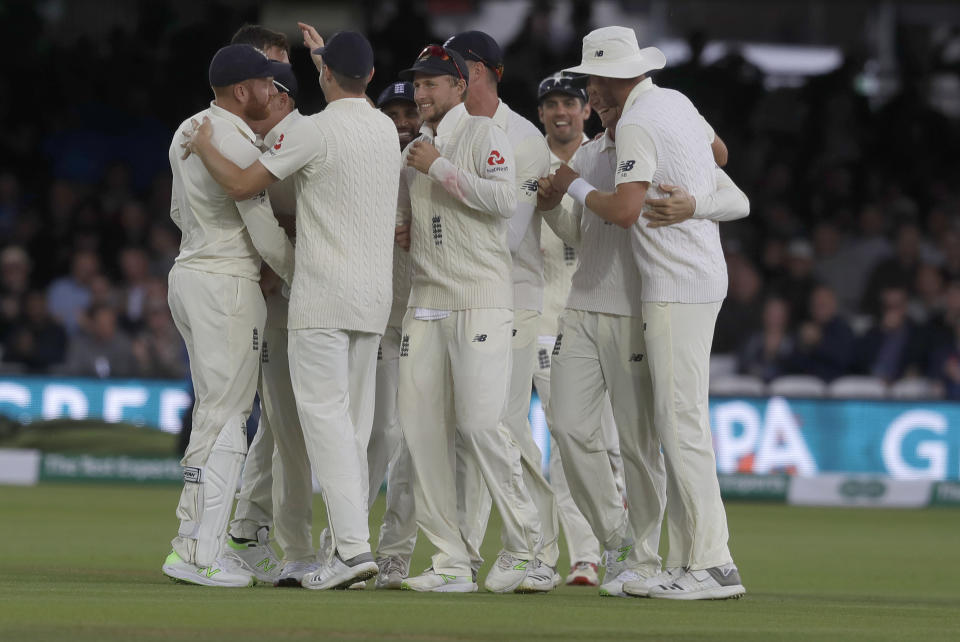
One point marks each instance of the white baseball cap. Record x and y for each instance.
(613, 52)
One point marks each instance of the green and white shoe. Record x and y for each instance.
(508, 573)
(258, 556)
(225, 572)
(433, 582)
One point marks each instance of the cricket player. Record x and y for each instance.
(347, 165)
(215, 299)
(562, 110)
(532, 161)
(387, 453)
(662, 139)
(255, 512)
(455, 349)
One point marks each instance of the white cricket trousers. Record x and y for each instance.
(220, 318)
(582, 544)
(596, 354)
(454, 375)
(287, 463)
(678, 338)
(333, 374)
(475, 501)
(387, 454)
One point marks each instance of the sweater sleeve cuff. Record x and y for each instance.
(442, 170)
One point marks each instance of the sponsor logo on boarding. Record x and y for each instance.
(869, 488)
(625, 166)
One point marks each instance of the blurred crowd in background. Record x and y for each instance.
(848, 264)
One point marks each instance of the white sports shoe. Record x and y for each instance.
(293, 572)
(340, 574)
(642, 588)
(616, 561)
(539, 578)
(432, 582)
(507, 573)
(614, 588)
(225, 572)
(557, 580)
(717, 583)
(583, 574)
(258, 556)
(393, 570)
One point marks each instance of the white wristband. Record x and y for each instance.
(579, 189)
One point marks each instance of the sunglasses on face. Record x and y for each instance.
(438, 51)
(497, 69)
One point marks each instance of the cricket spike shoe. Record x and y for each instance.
(293, 572)
(432, 582)
(642, 587)
(539, 578)
(256, 556)
(225, 572)
(717, 583)
(336, 573)
(583, 574)
(508, 573)
(393, 571)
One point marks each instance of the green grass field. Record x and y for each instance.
(82, 562)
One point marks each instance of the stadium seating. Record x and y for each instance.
(857, 387)
(797, 386)
(734, 385)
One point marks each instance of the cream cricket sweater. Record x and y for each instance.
(559, 264)
(606, 279)
(680, 263)
(346, 162)
(458, 215)
(533, 162)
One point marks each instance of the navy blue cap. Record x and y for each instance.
(561, 82)
(480, 47)
(348, 53)
(286, 81)
(396, 91)
(236, 63)
(437, 60)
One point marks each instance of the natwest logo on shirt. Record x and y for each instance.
(495, 158)
(279, 143)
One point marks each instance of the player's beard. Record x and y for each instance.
(256, 111)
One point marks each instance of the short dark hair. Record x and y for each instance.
(260, 37)
(348, 84)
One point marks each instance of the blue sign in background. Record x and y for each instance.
(905, 440)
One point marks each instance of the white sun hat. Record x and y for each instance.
(613, 52)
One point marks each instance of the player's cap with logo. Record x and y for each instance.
(286, 81)
(397, 91)
(561, 83)
(236, 63)
(348, 53)
(613, 52)
(437, 60)
(480, 47)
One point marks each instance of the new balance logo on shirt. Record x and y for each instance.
(379, 352)
(625, 166)
(531, 185)
(569, 254)
(405, 345)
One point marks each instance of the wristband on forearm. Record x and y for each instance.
(579, 189)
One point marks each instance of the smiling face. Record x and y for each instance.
(602, 102)
(405, 117)
(436, 95)
(563, 116)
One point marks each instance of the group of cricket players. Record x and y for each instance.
(430, 258)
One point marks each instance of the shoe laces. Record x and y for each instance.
(583, 566)
(392, 564)
(506, 561)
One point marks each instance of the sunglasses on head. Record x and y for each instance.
(439, 51)
(497, 69)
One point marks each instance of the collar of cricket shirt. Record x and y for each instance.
(644, 85)
(237, 122)
(271, 138)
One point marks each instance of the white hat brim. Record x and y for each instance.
(648, 59)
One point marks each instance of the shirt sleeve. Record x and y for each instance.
(711, 135)
(565, 220)
(533, 162)
(299, 143)
(404, 209)
(636, 155)
(726, 203)
(269, 239)
(488, 186)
